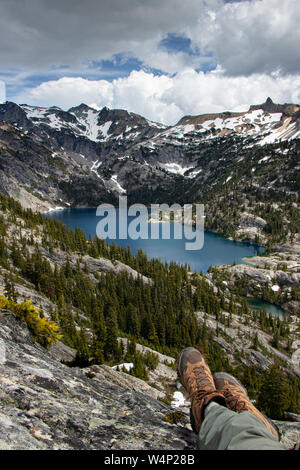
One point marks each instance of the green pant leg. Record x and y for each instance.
(223, 429)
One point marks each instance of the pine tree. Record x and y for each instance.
(9, 288)
(131, 350)
(273, 398)
(133, 325)
(255, 342)
(111, 348)
(82, 356)
(294, 406)
(275, 340)
(97, 352)
(139, 369)
(152, 336)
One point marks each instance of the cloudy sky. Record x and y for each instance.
(160, 58)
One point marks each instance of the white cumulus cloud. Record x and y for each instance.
(259, 36)
(244, 37)
(167, 98)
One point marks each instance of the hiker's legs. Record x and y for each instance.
(222, 415)
(223, 429)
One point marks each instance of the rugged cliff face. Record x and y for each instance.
(48, 405)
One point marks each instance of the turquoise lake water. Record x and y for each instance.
(216, 250)
(274, 310)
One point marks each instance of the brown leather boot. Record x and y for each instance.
(237, 399)
(195, 376)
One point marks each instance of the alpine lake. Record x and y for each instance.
(216, 250)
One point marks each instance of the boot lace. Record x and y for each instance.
(236, 399)
(203, 384)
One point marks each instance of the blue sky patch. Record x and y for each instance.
(175, 43)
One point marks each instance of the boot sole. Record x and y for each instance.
(179, 363)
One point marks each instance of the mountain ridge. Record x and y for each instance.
(36, 115)
(83, 157)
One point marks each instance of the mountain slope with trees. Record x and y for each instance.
(162, 306)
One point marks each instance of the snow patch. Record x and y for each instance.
(275, 288)
(178, 400)
(96, 165)
(257, 119)
(188, 128)
(33, 112)
(53, 209)
(132, 135)
(121, 190)
(175, 168)
(104, 129)
(126, 365)
(193, 174)
(91, 125)
(156, 124)
(265, 159)
(124, 157)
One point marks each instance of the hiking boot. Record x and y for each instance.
(195, 376)
(237, 399)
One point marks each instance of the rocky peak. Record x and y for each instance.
(269, 106)
(126, 127)
(80, 108)
(123, 115)
(14, 114)
(62, 116)
(104, 114)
